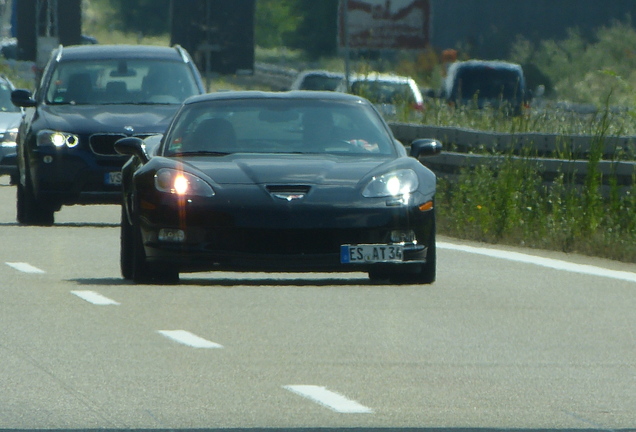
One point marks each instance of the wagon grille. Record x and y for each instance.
(104, 144)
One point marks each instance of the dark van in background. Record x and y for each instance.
(476, 83)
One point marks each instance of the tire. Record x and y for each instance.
(425, 275)
(427, 272)
(144, 272)
(29, 210)
(126, 246)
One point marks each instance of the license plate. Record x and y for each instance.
(371, 253)
(113, 178)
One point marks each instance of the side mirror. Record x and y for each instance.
(425, 147)
(132, 146)
(22, 98)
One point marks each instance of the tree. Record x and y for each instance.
(150, 17)
(318, 28)
(274, 21)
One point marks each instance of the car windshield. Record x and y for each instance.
(378, 91)
(278, 126)
(488, 83)
(118, 81)
(320, 82)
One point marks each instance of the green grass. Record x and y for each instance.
(511, 204)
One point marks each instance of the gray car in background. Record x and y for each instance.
(10, 117)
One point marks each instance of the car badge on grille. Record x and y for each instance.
(129, 129)
(288, 196)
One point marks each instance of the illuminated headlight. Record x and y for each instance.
(8, 138)
(181, 183)
(402, 182)
(57, 139)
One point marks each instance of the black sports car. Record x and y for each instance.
(296, 181)
(89, 97)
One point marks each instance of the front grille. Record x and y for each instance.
(288, 189)
(104, 144)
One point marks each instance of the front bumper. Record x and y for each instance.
(282, 238)
(61, 178)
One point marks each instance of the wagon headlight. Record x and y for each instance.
(181, 183)
(57, 139)
(396, 183)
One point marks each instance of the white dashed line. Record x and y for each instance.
(331, 400)
(25, 267)
(94, 298)
(544, 262)
(187, 338)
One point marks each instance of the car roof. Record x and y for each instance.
(375, 76)
(498, 64)
(103, 52)
(320, 72)
(289, 95)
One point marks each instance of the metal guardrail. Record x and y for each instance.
(450, 163)
(467, 140)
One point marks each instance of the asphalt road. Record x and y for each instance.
(505, 339)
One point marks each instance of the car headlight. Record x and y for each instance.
(396, 183)
(47, 138)
(8, 139)
(181, 183)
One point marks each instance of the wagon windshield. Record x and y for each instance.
(121, 81)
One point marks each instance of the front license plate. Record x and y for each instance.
(113, 178)
(374, 253)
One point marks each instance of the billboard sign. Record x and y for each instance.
(384, 24)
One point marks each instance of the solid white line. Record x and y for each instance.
(331, 400)
(94, 298)
(187, 338)
(544, 262)
(25, 267)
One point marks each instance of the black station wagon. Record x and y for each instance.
(88, 98)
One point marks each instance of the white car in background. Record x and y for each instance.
(386, 91)
(10, 117)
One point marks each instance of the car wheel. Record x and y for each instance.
(144, 272)
(126, 246)
(29, 210)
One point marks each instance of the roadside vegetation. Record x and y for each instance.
(511, 203)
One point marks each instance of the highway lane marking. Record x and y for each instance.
(24, 267)
(544, 262)
(187, 338)
(329, 399)
(94, 298)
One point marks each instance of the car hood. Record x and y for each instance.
(289, 169)
(9, 120)
(107, 118)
